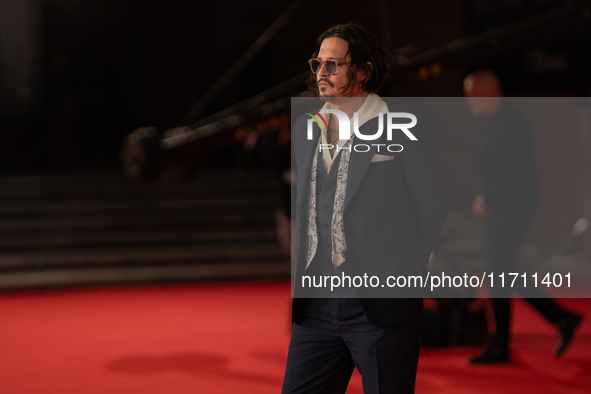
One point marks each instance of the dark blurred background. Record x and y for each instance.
(77, 76)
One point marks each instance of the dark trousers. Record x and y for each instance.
(505, 232)
(335, 336)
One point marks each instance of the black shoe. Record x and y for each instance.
(566, 327)
(491, 355)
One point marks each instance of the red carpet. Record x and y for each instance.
(229, 338)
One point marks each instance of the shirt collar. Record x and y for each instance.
(369, 109)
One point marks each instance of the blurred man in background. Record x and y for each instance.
(507, 200)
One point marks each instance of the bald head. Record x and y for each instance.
(483, 83)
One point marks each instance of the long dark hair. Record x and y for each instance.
(363, 47)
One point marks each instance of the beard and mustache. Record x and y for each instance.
(325, 99)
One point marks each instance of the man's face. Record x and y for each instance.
(482, 96)
(331, 85)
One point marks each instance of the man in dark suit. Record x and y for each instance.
(508, 197)
(359, 212)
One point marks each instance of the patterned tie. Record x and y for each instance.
(339, 245)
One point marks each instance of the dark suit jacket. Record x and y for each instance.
(507, 176)
(393, 213)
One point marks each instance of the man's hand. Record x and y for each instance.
(479, 207)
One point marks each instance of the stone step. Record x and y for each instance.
(130, 221)
(92, 276)
(68, 229)
(82, 184)
(162, 255)
(29, 240)
(121, 205)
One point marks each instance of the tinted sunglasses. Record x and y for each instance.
(330, 65)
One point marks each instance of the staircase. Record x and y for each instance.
(102, 228)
